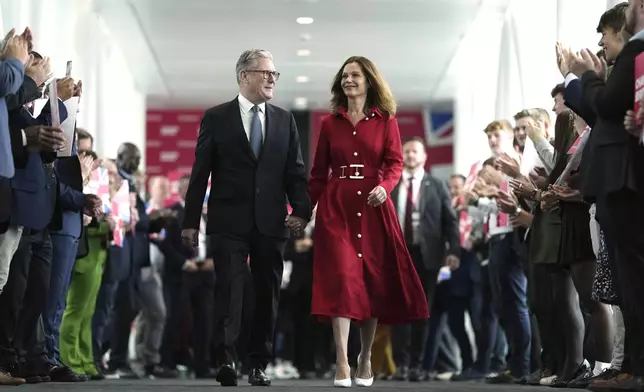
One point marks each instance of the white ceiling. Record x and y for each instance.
(183, 53)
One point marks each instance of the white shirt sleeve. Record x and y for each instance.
(569, 78)
(24, 138)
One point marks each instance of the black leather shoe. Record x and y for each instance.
(258, 378)
(227, 376)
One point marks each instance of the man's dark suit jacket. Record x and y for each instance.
(175, 253)
(27, 92)
(438, 222)
(613, 160)
(29, 185)
(574, 100)
(247, 191)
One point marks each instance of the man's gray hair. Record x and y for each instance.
(248, 60)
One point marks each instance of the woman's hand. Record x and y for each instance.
(508, 165)
(523, 219)
(377, 196)
(506, 203)
(564, 193)
(523, 188)
(549, 201)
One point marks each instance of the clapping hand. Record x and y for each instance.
(585, 61)
(508, 165)
(549, 201)
(564, 56)
(506, 203)
(564, 193)
(523, 188)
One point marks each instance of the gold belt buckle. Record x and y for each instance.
(356, 175)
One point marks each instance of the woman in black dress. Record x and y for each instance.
(577, 258)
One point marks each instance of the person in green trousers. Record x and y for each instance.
(75, 340)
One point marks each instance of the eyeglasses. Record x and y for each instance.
(267, 74)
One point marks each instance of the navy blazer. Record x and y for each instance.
(28, 92)
(12, 72)
(464, 279)
(29, 184)
(70, 187)
(575, 101)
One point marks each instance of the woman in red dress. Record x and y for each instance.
(362, 270)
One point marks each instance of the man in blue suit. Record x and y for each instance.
(12, 67)
(37, 204)
(65, 247)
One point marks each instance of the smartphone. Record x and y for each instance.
(68, 71)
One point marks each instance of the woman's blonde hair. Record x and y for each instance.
(378, 93)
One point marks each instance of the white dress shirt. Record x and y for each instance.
(419, 174)
(245, 108)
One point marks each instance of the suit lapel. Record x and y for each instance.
(238, 128)
(271, 128)
(425, 192)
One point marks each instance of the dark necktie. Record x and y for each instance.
(408, 230)
(256, 132)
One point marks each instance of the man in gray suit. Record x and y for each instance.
(429, 223)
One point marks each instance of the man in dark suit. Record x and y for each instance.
(189, 281)
(429, 222)
(612, 170)
(34, 185)
(252, 151)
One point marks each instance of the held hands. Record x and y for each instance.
(295, 224)
(377, 196)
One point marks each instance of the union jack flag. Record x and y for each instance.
(99, 185)
(439, 128)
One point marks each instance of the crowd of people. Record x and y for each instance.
(525, 271)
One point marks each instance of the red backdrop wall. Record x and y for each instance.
(172, 135)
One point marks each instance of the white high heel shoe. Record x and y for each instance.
(344, 383)
(363, 382)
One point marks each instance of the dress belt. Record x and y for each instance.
(355, 172)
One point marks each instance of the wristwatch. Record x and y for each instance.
(517, 212)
